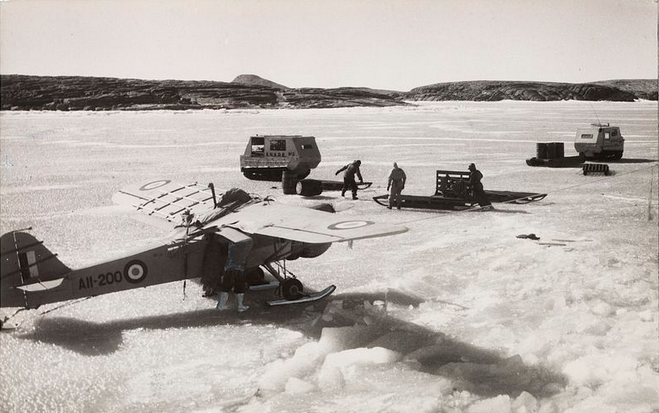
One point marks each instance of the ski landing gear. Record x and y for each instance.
(291, 289)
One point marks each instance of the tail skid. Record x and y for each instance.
(26, 266)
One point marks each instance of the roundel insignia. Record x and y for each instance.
(350, 225)
(135, 271)
(154, 184)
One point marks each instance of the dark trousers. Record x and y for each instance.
(234, 268)
(480, 196)
(349, 184)
(394, 194)
(233, 280)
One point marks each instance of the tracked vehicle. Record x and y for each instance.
(267, 157)
(599, 141)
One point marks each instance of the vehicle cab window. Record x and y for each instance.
(258, 146)
(277, 145)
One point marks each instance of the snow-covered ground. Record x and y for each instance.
(456, 315)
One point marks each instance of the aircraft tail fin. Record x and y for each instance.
(25, 260)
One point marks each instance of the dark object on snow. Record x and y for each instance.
(289, 182)
(529, 236)
(564, 162)
(309, 187)
(596, 168)
(552, 150)
(325, 207)
(313, 187)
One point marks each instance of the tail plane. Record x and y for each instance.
(26, 265)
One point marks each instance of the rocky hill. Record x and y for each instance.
(538, 91)
(642, 88)
(253, 80)
(21, 92)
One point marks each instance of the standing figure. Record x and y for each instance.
(396, 184)
(234, 272)
(475, 177)
(349, 177)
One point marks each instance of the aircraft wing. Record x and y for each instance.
(306, 225)
(166, 199)
(169, 201)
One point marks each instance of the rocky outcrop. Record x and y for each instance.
(641, 88)
(19, 92)
(537, 91)
(254, 80)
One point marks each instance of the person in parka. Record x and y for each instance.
(349, 177)
(396, 184)
(475, 177)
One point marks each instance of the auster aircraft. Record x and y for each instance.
(201, 225)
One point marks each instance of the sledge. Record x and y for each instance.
(305, 298)
(598, 168)
(562, 162)
(425, 202)
(338, 185)
(514, 197)
(453, 192)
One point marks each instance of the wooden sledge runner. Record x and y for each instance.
(338, 185)
(425, 202)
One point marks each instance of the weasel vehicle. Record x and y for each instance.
(600, 141)
(268, 156)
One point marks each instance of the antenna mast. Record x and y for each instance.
(599, 123)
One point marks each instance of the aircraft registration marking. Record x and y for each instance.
(100, 280)
(350, 225)
(134, 272)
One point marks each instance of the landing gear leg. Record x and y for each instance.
(290, 287)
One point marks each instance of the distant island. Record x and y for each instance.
(65, 93)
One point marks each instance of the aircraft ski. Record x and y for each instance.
(305, 298)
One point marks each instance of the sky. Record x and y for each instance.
(381, 44)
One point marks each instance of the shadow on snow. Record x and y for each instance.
(474, 369)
